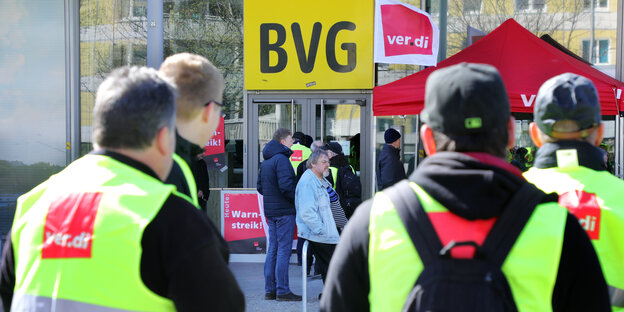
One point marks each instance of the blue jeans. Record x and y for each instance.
(281, 232)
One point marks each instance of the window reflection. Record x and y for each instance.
(111, 36)
(32, 99)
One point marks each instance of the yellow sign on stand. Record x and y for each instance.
(299, 45)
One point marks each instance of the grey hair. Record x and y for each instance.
(131, 106)
(314, 157)
(315, 145)
(281, 134)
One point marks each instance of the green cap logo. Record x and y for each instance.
(473, 123)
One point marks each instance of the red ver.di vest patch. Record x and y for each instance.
(586, 209)
(68, 230)
(297, 155)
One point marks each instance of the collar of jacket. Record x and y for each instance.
(127, 161)
(186, 149)
(392, 148)
(473, 187)
(312, 176)
(589, 156)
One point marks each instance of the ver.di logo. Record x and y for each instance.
(401, 39)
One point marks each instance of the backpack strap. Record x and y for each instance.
(415, 220)
(497, 244)
(512, 221)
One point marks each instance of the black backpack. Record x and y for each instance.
(349, 188)
(451, 284)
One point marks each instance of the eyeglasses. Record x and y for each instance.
(221, 113)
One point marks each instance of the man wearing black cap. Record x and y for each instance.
(568, 130)
(464, 204)
(389, 167)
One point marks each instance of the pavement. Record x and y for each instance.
(250, 277)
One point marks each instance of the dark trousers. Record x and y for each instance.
(310, 259)
(323, 254)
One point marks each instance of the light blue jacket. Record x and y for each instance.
(315, 221)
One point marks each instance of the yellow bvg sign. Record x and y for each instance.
(313, 44)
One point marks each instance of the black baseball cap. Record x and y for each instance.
(298, 136)
(567, 106)
(466, 98)
(335, 147)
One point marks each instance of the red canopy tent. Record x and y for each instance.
(524, 61)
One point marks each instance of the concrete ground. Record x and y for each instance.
(250, 277)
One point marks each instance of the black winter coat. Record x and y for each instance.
(348, 186)
(389, 167)
(276, 180)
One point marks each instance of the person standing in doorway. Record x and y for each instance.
(276, 184)
(301, 152)
(389, 167)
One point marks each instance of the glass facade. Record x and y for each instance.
(33, 121)
(113, 33)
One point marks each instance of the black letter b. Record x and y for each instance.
(266, 48)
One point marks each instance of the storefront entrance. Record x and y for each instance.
(327, 117)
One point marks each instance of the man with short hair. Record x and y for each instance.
(568, 129)
(200, 87)
(390, 169)
(105, 233)
(451, 204)
(276, 184)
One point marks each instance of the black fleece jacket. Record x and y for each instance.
(187, 151)
(589, 156)
(184, 258)
(471, 189)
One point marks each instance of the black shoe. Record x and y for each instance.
(269, 296)
(288, 297)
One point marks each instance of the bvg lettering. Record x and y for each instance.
(306, 60)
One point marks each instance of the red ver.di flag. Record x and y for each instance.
(404, 34)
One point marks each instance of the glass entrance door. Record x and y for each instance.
(340, 121)
(274, 114)
(338, 117)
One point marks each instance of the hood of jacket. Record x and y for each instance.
(472, 185)
(589, 156)
(339, 161)
(273, 148)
